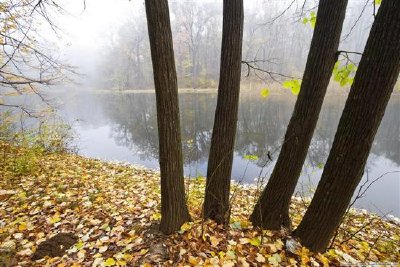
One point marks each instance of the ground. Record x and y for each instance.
(113, 210)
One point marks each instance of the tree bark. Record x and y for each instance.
(272, 208)
(362, 115)
(174, 211)
(216, 204)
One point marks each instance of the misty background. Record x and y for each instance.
(108, 41)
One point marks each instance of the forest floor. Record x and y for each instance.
(108, 213)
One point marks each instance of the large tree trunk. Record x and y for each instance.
(174, 211)
(363, 112)
(272, 208)
(216, 204)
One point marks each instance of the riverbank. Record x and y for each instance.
(275, 89)
(112, 210)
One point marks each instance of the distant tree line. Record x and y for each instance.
(274, 41)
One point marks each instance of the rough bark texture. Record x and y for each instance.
(173, 204)
(216, 204)
(272, 208)
(363, 112)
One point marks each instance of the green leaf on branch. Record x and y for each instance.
(293, 85)
(344, 75)
(312, 19)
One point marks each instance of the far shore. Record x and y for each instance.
(333, 90)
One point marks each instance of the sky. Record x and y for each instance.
(101, 18)
(96, 22)
(86, 31)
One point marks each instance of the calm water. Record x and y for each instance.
(123, 127)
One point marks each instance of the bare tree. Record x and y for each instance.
(26, 61)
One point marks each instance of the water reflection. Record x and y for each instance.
(124, 127)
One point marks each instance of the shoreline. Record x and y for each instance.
(112, 207)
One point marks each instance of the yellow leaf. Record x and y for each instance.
(304, 255)
(193, 260)
(323, 259)
(109, 262)
(121, 263)
(256, 241)
(128, 257)
(264, 92)
(143, 251)
(185, 227)
(204, 237)
(79, 245)
(156, 216)
(279, 244)
(22, 226)
(55, 219)
(214, 241)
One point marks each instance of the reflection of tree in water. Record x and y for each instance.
(261, 126)
(387, 142)
(197, 113)
(134, 123)
(324, 132)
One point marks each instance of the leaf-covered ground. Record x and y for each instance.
(113, 209)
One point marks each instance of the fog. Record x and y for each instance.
(107, 40)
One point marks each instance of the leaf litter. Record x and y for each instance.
(113, 210)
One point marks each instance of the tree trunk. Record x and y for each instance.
(363, 112)
(216, 204)
(272, 208)
(174, 211)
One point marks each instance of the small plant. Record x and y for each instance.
(46, 136)
(27, 163)
(7, 129)
(56, 137)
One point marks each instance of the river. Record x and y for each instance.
(123, 127)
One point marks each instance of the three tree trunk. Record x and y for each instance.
(174, 211)
(216, 203)
(373, 84)
(272, 208)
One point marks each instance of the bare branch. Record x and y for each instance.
(251, 65)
